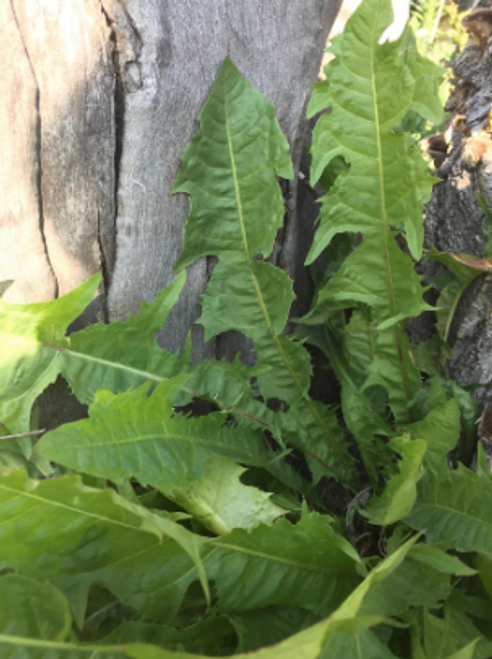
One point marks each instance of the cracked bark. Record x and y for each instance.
(120, 84)
(454, 220)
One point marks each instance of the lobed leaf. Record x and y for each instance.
(190, 460)
(455, 508)
(29, 364)
(229, 171)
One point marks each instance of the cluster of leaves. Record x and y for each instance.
(148, 530)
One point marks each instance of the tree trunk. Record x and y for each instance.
(98, 100)
(454, 219)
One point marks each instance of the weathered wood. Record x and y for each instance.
(67, 57)
(111, 92)
(24, 258)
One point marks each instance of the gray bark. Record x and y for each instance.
(454, 220)
(98, 100)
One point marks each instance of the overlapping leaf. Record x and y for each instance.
(192, 461)
(74, 536)
(27, 639)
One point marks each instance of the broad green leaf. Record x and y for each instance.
(455, 508)
(307, 565)
(229, 171)
(29, 365)
(400, 493)
(74, 536)
(190, 460)
(412, 585)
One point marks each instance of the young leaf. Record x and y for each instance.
(229, 171)
(74, 536)
(189, 460)
(29, 364)
(400, 492)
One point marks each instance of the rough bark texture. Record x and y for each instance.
(454, 219)
(98, 99)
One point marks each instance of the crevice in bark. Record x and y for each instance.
(39, 147)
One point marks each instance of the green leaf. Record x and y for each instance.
(306, 644)
(257, 629)
(370, 88)
(74, 536)
(400, 492)
(229, 171)
(189, 460)
(441, 430)
(29, 365)
(439, 560)
(307, 565)
(122, 355)
(32, 609)
(363, 645)
(412, 585)
(455, 508)
(214, 636)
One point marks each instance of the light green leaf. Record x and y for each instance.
(455, 508)
(29, 365)
(400, 492)
(439, 560)
(222, 503)
(189, 460)
(29, 608)
(370, 88)
(74, 536)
